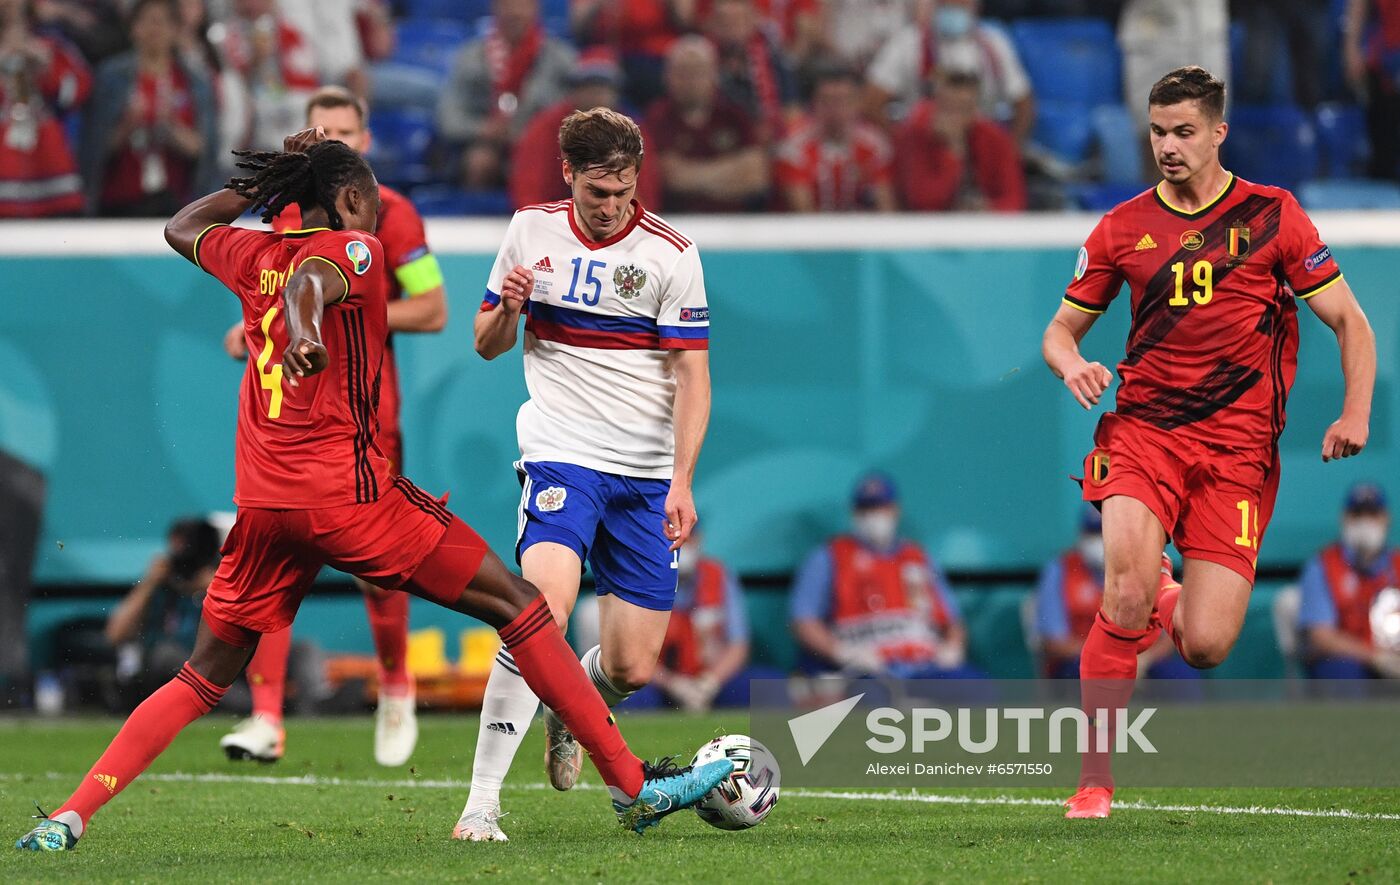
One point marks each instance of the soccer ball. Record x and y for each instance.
(745, 798)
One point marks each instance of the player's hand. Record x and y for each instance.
(303, 358)
(234, 343)
(680, 515)
(1346, 437)
(301, 142)
(1088, 383)
(516, 288)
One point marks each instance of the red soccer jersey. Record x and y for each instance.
(1214, 339)
(312, 445)
(840, 176)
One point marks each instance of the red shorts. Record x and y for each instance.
(1214, 503)
(272, 557)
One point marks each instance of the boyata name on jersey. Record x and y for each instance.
(601, 324)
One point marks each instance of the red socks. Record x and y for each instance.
(1107, 671)
(147, 732)
(553, 672)
(267, 674)
(388, 624)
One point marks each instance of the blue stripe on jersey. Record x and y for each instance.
(582, 319)
(691, 332)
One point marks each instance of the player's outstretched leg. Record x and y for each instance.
(642, 794)
(1133, 542)
(395, 716)
(200, 684)
(261, 736)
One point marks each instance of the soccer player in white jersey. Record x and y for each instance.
(617, 367)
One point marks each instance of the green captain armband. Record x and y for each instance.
(422, 274)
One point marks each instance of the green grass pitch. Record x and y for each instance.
(328, 813)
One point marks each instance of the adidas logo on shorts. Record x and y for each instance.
(502, 727)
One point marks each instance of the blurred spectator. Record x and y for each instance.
(1271, 27)
(375, 22)
(950, 157)
(499, 82)
(1371, 59)
(801, 28)
(704, 659)
(159, 616)
(1068, 597)
(639, 32)
(956, 38)
(1157, 36)
(335, 40)
(706, 148)
(753, 71)
(1343, 584)
(277, 65)
(834, 161)
(857, 29)
(40, 78)
(93, 26)
(152, 124)
(536, 169)
(197, 51)
(870, 603)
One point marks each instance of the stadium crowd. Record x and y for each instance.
(131, 107)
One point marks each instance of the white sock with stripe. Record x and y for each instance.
(506, 713)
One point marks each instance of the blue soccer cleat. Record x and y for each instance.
(667, 788)
(49, 835)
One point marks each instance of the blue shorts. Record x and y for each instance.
(614, 523)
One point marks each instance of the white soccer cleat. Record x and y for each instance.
(254, 738)
(395, 729)
(563, 759)
(483, 825)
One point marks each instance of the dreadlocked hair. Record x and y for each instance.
(313, 178)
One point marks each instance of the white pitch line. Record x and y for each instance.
(312, 780)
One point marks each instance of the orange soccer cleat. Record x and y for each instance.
(1089, 802)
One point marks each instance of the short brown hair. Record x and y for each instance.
(1191, 83)
(331, 97)
(600, 140)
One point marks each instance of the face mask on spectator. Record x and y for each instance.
(954, 21)
(875, 527)
(1091, 549)
(1364, 536)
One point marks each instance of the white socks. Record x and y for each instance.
(506, 713)
(75, 823)
(592, 661)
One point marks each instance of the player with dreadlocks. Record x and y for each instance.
(313, 488)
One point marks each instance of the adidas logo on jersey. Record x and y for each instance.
(502, 727)
(1145, 243)
(544, 266)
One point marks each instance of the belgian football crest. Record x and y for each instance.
(1097, 472)
(629, 280)
(1238, 242)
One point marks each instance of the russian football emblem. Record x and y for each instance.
(358, 253)
(1192, 240)
(629, 280)
(551, 499)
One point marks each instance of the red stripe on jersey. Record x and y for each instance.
(685, 344)
(657, 232)
(546, 207)
(666, 227)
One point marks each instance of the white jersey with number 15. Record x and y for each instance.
(600, 326)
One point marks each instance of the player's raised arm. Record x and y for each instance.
(1338, 308)
(1060, 347)
(496, 326)
(314, 285)
(182, 231)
